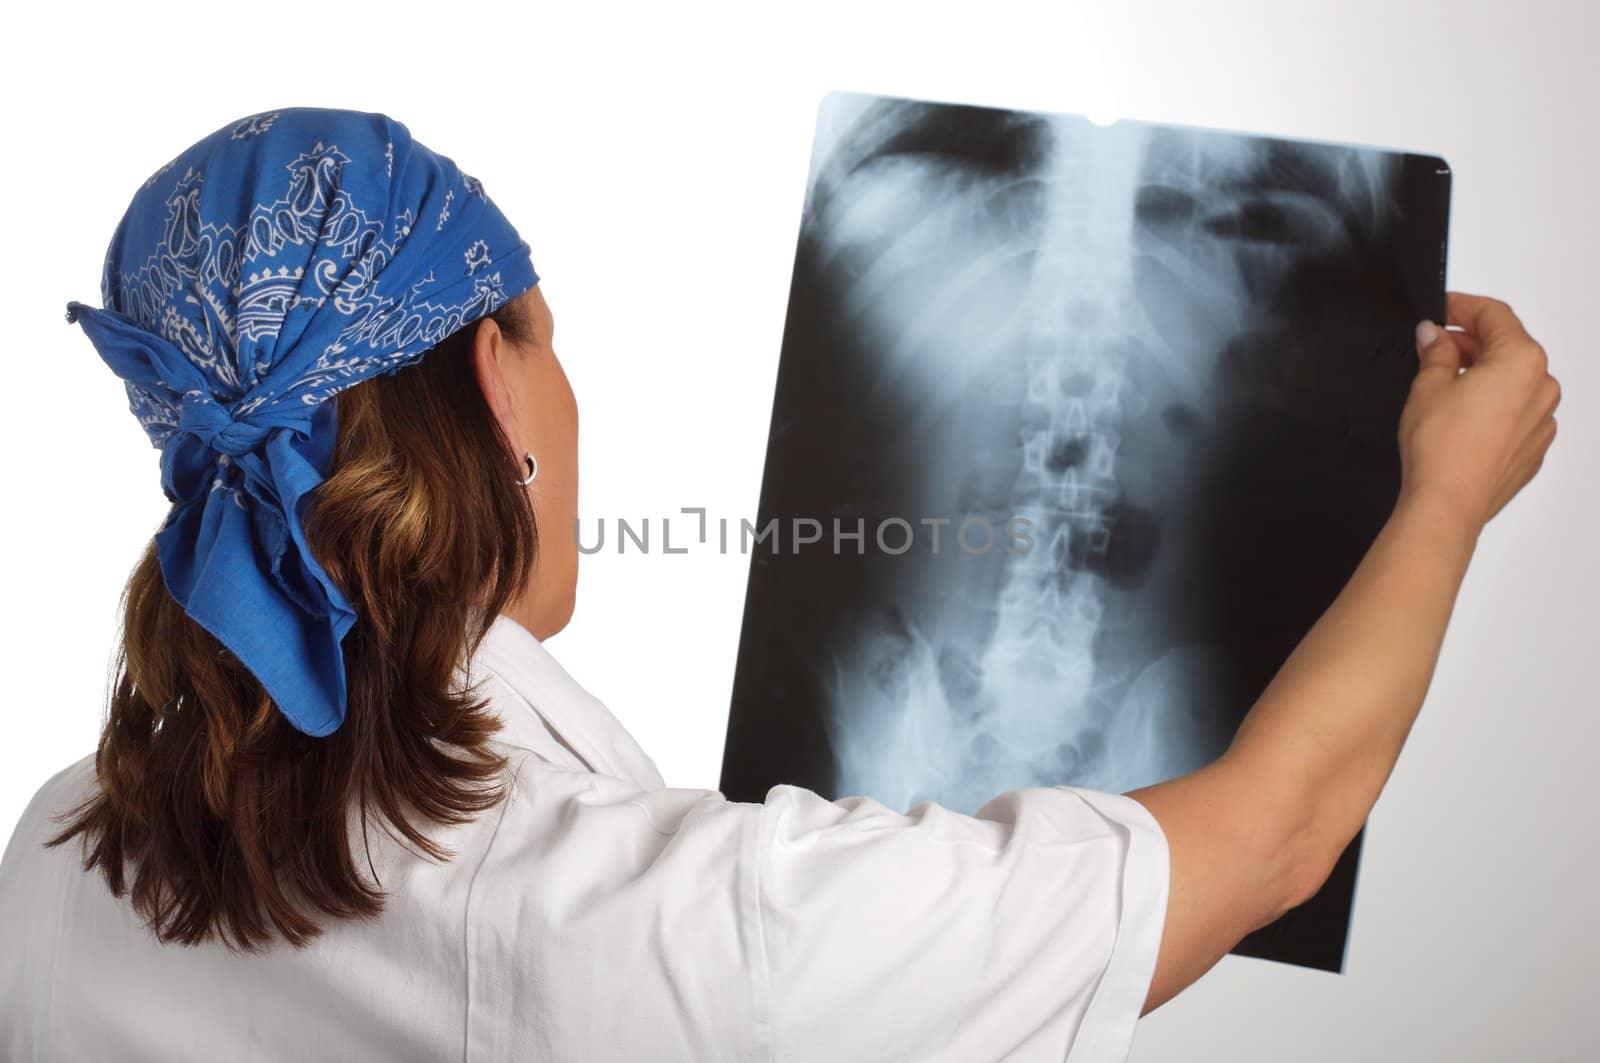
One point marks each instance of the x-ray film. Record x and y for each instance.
(1077, 431)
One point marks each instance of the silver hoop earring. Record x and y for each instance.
(533, 469)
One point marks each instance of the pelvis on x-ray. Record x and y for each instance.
(1078, 429)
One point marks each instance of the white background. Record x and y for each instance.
(655, 158)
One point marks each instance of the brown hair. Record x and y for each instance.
(233, 822)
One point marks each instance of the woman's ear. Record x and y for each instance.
(491, 362)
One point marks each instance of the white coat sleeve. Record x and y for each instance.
(1027, 931)
(608, 921)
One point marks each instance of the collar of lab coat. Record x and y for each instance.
(537, 702)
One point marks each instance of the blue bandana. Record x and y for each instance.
(273, 264)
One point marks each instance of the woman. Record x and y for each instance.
(346, 806)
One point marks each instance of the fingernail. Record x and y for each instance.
(1427, 332)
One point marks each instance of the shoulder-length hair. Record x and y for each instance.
(215, 815)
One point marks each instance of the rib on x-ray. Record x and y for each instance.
(1094, 421)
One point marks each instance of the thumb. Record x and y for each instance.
(1437, 351)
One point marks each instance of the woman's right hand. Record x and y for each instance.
(1472, 439)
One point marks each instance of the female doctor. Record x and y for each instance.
(346, 806)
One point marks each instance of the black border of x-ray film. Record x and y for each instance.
(775, 734)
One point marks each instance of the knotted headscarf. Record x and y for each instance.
(276, 262)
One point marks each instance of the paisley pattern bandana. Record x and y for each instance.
(276, 262)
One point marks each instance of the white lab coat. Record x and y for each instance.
(598, 915)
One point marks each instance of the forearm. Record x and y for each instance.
(1328, 729)
(1256, 831)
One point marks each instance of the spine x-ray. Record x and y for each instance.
(1077, 431)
